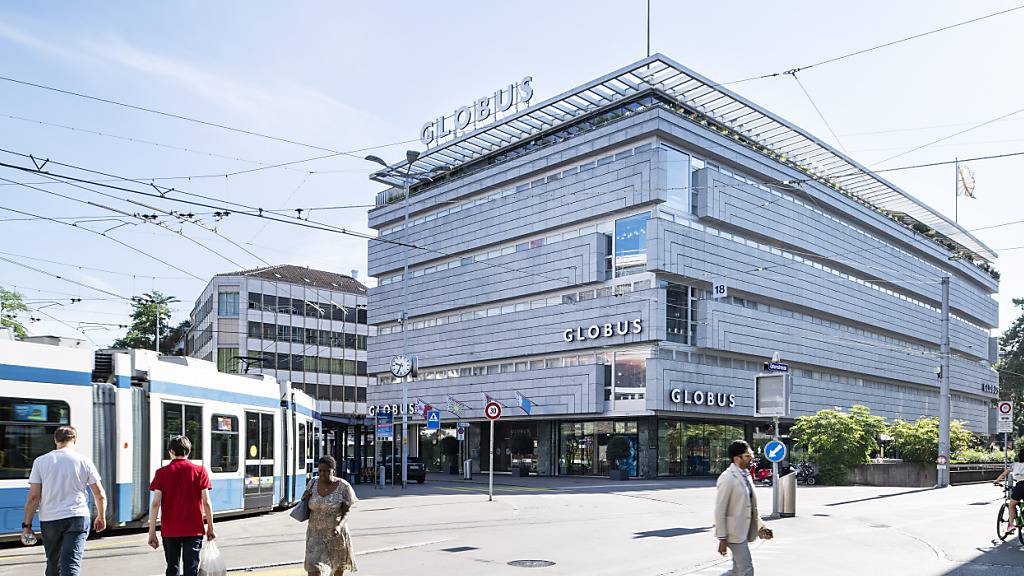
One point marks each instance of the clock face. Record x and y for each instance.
(401, 366)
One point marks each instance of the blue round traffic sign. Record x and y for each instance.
(775, 451)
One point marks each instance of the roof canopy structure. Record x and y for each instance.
(755, 126)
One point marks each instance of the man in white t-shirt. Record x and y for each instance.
(58, 487)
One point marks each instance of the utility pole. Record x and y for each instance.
(942, 476)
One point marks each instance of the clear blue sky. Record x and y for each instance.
(352, 75)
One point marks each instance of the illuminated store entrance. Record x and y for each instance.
(583, 447)
(514, 446)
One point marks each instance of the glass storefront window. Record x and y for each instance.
(583, 447)
(694, 449)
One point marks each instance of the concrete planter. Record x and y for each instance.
(520, 471)
(618, 475)
(901, 474)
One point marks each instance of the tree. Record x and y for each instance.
(919, 441)
(144, 321)
(838, 441)
(617, 451)
(168, 345)
(10, 305)
(1011, 365)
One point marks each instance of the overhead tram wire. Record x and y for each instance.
(104, 270)
(950, 136)
(136, 216)
(111, 238)
(818, 110)
(870, 49)
(62, 278)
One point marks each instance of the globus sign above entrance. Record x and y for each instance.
(485, 108)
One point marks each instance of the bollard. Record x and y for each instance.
(467, 469)
(787, 487)
(380, 473)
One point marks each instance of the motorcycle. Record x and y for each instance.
(806, 474)
(761, 474)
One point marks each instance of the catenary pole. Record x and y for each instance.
(943, 464)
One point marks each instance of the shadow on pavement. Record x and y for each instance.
(880, 496)
(670, 532)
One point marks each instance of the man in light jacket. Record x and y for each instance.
(736, 520)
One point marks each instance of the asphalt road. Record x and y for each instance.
(598, 527)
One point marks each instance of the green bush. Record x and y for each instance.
(919, 441)
(971, 456)
(838, 441)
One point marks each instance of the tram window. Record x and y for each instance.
(223, 443)
(182, 419)
(300, 447)
(26, 432)
(267, 437)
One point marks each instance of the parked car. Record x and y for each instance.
(417, 471)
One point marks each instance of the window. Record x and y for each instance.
(227, 360)
(630, 246)
(302, 449)
(184, 420)
(223, 443)
(26, 432)
(255, 329)
(227, 304)
(677, 313)
(630, 375)
(255, 301)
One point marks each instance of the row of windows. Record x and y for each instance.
(315, 364)
(817, 265)
(790, 313)
(698, 163)
(519, 306)
(202, 312)
(505, 249)
(310, 336)
(187, 420)
(522, 365)
(332, 392)
(512, 190)
(302, 307)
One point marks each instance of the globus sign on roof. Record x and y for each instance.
(483, 108)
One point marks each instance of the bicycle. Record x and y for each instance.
(1003, 519)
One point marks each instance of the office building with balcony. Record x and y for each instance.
(564, 255)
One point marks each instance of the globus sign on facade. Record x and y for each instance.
(606, 330)
(483, 108)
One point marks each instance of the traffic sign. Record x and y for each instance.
(433, 420)
(775, 451)
(385, 426)
(1004, 417)
(492, 410)
(460, 433)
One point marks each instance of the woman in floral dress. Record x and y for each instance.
(328, 542)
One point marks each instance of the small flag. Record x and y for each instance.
(454, 406)
(487, 398)
(419, 406)
(524, 402)
(964, 181)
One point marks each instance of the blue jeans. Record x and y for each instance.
(183, 549)
(64, 542)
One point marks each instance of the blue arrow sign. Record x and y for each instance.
(434, 420)
(775, 451)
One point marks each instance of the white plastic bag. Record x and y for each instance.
(211, 563)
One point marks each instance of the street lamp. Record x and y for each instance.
(156, 302)
(410, 156)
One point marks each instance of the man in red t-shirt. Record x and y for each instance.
(183, 490)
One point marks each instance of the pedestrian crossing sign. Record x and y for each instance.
(434, 420)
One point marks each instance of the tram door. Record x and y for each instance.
(259, 460)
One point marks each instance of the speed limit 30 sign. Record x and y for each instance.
(492, 410)
(1004, 417)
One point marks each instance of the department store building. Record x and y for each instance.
(564, 252)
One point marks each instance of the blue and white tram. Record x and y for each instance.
(256, 436)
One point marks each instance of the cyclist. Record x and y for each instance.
(1016, 471)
